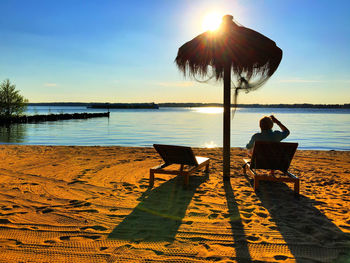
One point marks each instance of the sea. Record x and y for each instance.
(313, 129)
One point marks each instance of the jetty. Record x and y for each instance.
(49, 117)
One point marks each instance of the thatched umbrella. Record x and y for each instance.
(246, 54)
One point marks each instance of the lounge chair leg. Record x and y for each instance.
(297, 187)
(256, 183)
(186, 179)
(151, 179)
(207, 168)
(185, 175)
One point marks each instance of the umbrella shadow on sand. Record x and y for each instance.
(159, 214)
(241, 244)
(309, 234)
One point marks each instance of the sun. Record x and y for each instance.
(211, 21)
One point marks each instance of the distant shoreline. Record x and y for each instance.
(170, 104)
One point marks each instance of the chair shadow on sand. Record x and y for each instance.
(309, 234)
(159, 214)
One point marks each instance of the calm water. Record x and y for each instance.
(324, 129)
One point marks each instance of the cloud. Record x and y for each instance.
(50, 85)
(299, 80)
(176, 84)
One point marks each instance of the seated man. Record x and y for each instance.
(266, 134)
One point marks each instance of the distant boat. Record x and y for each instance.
(124, 106)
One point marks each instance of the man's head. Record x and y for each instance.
(266, 123)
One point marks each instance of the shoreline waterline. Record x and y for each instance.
(233, 149)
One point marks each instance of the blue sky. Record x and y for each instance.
(124, 51)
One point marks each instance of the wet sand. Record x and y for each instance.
(92, 204)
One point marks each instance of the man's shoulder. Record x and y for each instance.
(256, 134)
(277, 132)
(281, 134)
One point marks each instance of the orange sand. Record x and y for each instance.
(92, 204)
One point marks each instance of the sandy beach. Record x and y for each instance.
(92, 204)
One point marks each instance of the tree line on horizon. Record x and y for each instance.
(194, 104)
(14, 104)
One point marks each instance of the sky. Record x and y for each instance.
(124, 51)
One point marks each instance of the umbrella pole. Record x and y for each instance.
(227, 120)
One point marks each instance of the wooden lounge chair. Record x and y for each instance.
(272, 156)
(178, 155)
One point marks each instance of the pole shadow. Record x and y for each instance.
(159, 214)
(309, 234)
(240, 241)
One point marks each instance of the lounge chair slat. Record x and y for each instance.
(272, 156)
(182, 155)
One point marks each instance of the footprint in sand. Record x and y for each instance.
(50, 242)
(226, 215)
(280, 257)
(246, 221)
(144, 180)
(252, 238)
(196, 214)
(98, 228)
(17, 242)
(47, 210)
(161, 179)
(77, 181)
(77, 203)
(201, 204)
(128, 186)
(273, 227)
(115, 216)
(86, 210)
(94, 237)
(345, 227)
(263, 215)
(213, 216)
(248, 210)
(246, 215)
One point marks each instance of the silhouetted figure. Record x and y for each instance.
(267, 134)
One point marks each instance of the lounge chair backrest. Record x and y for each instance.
(173, 154)
(273, 155)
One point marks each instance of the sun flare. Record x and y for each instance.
(211, 22)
